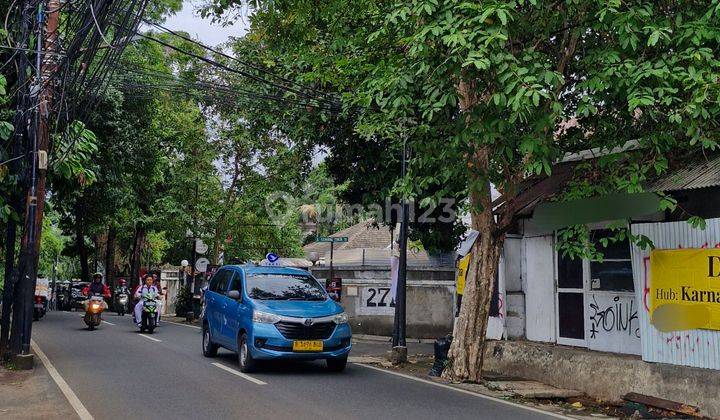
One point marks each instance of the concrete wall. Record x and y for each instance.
(367, 299)
(604, 375)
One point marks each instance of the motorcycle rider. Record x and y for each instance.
(97, 287)
(148, 287)
(121, 289)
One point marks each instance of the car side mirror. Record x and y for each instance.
(334, 296)
(234, 294)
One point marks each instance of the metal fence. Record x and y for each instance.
(698, 348)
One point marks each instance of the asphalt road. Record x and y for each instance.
(118, 373)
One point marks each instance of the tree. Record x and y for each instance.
(500, 90)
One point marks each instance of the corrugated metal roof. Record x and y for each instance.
(695, 175)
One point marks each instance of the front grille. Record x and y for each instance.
(298, 331)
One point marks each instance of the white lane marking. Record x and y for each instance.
(74, 401)
(464, 391)
(184, 325)
(109, 323)
(240, 374)
(150, 338)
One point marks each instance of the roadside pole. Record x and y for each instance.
(332, 240)
(399, 351)
(332, 246)
(11, 289)
(35, 201)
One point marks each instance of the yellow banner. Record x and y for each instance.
(462, 273)
(685, 289)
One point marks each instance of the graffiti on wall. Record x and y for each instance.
(613, 322)
(619, 315)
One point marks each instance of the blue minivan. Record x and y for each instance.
(266, 312)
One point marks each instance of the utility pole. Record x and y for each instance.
(399, 345)
(35, 201)
(20, 124)
(332, 246)
(194, 239)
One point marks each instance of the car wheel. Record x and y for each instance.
(337, 365)
(245, 359)
(210, 349)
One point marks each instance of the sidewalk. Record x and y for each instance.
(32, 394)
(537, 395)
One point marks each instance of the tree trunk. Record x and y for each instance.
(138, 243)
(466, 350)
(110, 256)
(80, 242)
(8, 286)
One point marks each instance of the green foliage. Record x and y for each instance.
(183, 301)
(74, 154)
(524, 82)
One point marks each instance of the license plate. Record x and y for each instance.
(308, 345)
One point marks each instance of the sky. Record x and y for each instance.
(208, 33)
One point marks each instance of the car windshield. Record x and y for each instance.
(284, 287)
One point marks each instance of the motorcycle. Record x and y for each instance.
(39, 307)
(94, 310)
(122, 301)
(149, 314)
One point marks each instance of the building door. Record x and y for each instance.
(570, 301)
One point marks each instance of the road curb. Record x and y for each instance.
(387, 339)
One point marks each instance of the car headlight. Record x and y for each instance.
(340, 318)
(265, 318)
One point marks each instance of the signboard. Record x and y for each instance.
(334, 239)
(685, 289)
(375, 300)
(462, 274)
(201, 265)
(200, 246)
(272, 259)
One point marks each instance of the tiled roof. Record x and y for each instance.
(362, 235)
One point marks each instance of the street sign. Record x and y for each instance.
(272, 258)
(200, 246)
(201, 264)
(333, 239)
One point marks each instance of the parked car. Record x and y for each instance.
(266, 313)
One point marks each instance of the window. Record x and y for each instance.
(223, 281)
(235, 283)
(570, 273)
(614, 273)
(570, 316)
(283, 287)
(219, 281)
